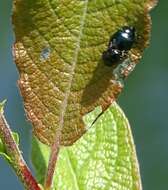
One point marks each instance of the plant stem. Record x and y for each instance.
(52, 162)
(16, 160)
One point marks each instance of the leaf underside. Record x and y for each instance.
(103, 158)
(58, 52)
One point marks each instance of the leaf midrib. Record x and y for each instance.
(74, 62)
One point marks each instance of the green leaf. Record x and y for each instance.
(58, 51)
(16, 137)
(2, 148)
(2, 104)
(104, 158)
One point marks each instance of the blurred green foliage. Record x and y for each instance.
(144, 100)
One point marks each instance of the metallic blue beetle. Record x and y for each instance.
(120, 43)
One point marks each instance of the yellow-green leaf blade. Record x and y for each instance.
(103, 158)
(58, 51)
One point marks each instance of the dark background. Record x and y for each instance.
(144, 101)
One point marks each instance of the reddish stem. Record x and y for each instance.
(52, 162)
(17, 162)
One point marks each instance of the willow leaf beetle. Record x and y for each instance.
(120, 43)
